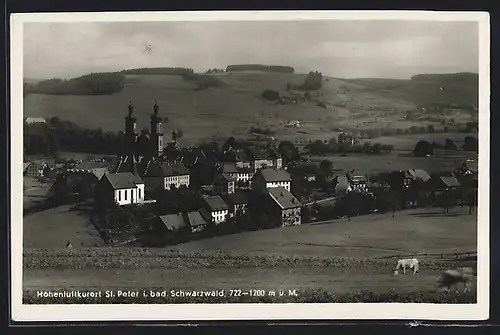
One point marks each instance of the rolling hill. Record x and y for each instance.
(230, 110)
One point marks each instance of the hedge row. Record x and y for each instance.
(138, 258)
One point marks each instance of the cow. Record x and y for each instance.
(411, 263)
(455, 277)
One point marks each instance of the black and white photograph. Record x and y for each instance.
(250, 165)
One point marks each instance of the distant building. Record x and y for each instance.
(447, 183)
(97, 169)
(164, 175)
(269, 178)
(37, 168)
(414, 174)
(292, 123)
(215, 209)
(358, 184)
(195, 221)
(240, 174)
(223, 184)
(31, 120)
(470, 167)
(120, 188)
(278, 208)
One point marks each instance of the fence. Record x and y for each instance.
(441, 255)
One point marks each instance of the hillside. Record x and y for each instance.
(228, 104)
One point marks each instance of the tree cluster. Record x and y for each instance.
(90, 84)
(260, 67)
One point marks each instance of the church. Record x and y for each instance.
(140, 150)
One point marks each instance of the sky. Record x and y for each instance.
(343, 49)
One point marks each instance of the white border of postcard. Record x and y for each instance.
(191, 312)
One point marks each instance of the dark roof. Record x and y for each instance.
(223, 177)
(237, 198)
(173, 221)
(284, 198)
(256, 153)
(272, 175)
(274, 153)
(176, 169)
(128, 164)
(419, 174)
(195, 219)
(123, 180)
(450, 181)
(229, 168)
(471, 165)
(215, 203)
(90, 165)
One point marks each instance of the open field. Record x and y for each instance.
(374, 164)
(407, 142)
(34, 192)
(337, 258)
(411, 231)
(53, 228)
(232, 109)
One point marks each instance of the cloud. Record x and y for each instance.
(339, 48)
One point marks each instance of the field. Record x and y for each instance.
(53, 228)
(338, 258)
(33, 192)
(231, 110)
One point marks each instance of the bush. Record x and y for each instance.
(270, 95)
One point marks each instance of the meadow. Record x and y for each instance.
(338, 258)
(227, 111)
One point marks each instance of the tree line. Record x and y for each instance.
(425, 148)
(260, 67)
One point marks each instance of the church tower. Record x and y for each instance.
(130, 129)
(156, 132)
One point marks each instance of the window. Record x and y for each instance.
(119, 195)
(139, 193)
(125, 194)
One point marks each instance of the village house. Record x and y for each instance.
(470, 167)
(215, 209)
(237, 203)
(223, 184)
(195, 221)
(358, 184)
(240, 174)
(172, 227)
(258, 158)
(37, 168)
(83, 177)
(414, 174)
(120, 188)
(161, 176)
(238, 157)
(269, 178)
(278, 208)
(447, 183)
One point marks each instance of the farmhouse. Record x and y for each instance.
(238, 157)
(164, 176)
(261, 158)
(215, 209)
(37, 168)
(195, 221)
(269, 178)
(358, 184)
(240, 174)
(447, 183)
(414, 174)
(279, 208)
(223, 184)
(237, 203)
(470, 167)
(120, 188)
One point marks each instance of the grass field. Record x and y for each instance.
(33, 192)
(227, 111)
(374, 164)
(338, 257)
(53, 228)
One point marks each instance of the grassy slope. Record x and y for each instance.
(233, 109)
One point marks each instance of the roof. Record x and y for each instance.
(419, 174)
(34, 120)
(358, 179)
(272, 175)
(274, 153)
(223, 177)
(25, 166)
(256, 153)
(123, 180)
(450, 181)
(284, 198)
(215, 203)
(229, 168)
(237, 198)
(90, 166)
(173, 221)
(195, 219)
(176, 169)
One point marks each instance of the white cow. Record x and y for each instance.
(451, 278)
(411, 263)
